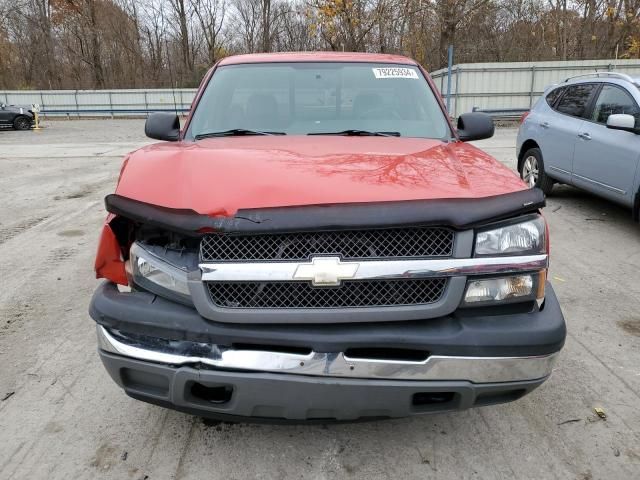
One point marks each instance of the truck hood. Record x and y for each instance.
(220, 176)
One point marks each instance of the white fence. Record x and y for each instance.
(517, 85)
(485, 86)
(95, 103)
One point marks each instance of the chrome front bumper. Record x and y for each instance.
(436, 368)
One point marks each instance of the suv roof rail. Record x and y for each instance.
(622, 76)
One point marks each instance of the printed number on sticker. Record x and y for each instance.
(395, 72)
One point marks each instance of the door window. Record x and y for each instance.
(614, 100)
(575, 99)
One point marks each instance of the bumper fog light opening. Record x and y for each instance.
(216, 394)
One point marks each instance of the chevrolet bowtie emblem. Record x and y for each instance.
(326, 271)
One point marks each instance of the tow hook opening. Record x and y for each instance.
(432, 398)
(216, 394)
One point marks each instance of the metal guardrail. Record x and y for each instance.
(508, 86)
(503, 113)
(45, 112)
(102, 103)
(501, 89)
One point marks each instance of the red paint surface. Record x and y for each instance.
(109, 263)
(316, 57)
(219, 176)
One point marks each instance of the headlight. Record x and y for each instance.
(156, 275)
(524, 238)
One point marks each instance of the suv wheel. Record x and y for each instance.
(22, 123)
(532, 171)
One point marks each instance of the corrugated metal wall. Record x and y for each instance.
(486, 86)
(516, 85)
(102, 102)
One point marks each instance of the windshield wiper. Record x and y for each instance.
(235, 132)
(354, 132)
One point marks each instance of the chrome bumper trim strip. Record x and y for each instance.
(473, 369)
(375, 269)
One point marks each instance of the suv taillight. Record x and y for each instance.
(524, 117)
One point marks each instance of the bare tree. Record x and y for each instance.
(182, 19)
(210, 15)
(247, 23)
(135, 43)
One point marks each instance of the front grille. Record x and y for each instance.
(352, 293)
(408, 242)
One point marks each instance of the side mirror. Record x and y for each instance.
(163, 126)
(622, 121)
(3, 105)
(475, 126)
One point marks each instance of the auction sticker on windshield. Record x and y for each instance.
(395, 72)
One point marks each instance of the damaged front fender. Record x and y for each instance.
(109, 262)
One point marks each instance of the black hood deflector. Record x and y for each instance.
(459, 213)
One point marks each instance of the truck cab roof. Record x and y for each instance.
(288, 57)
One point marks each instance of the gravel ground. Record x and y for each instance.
(62, 417)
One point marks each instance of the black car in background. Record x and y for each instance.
(20, 118)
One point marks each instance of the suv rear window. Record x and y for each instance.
(553, 95)
(575, 99)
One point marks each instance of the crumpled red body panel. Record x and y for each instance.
(109, 262)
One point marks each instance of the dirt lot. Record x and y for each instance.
(62, 417)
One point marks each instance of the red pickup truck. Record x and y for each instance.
(319, 243)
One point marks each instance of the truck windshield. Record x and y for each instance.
(319, 99)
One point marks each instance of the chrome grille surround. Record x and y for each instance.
(273, 251)
(330, 273)
(383, 283)
(405, 242)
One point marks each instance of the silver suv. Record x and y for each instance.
(585, 132)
